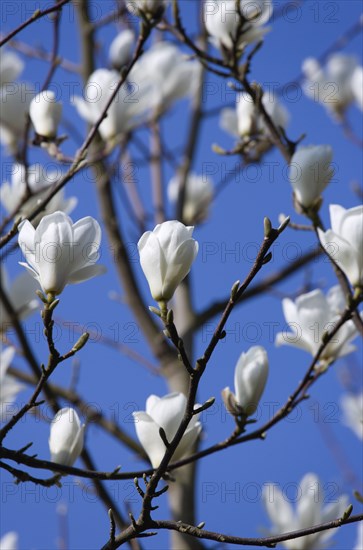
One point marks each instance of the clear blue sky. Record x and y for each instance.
(117, 385)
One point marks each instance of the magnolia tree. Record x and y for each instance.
(153, 405)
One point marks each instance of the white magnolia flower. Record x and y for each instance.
(9, 386)
(66, 437)
(245, 119)
(21, 295)
(332, 85)
(10, 67)
(352, 405)
(310, 511)
(166, 256)
(250, 377)
(60, 252)
(121, 49)
(9, 541)
(357, 86)
(344, 241)
(150, 8)
(223, 22)
(15, 99)
(165, 74)
(198, 197)
(123, 112)
(39, 181)
(310, 172)
(165, 412)
(310, 316)
(45, 113)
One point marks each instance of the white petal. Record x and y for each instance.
(151, 402)
(309, 503)
(179, 266)
(189, 438)
(152, 263)
(26, 241)
(53, 241)
(279, 509)
(228, 121)
(148, 433)
(336, 215)
(168, 413)
(86, 241)
(86, 273)
(343, 254)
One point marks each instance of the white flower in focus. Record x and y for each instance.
(310, 172)
(332, 85)
(250, 377)
(121, 49)
(66, 437)
(39, 181)
(9, 386)
(15, 99)
(357, 86)
(123, 112)
(45, 113)
(165, 412)
(10, 67)
(352, 405)
(198, 197)
(60, 252)
(310, 316)
(9, 541)
(166, 256)
(310, 511)
(21, 295)
(344, 241)
(223, 22)
(149, 8)
(165, 74)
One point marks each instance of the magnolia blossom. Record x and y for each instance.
(332, 85)
(165, 74)
(357, 86)
(310, 316)
(66, 437)
(9, 541)
(9, 386)
(60, 252)
(250, 377)
(15, 99)
(121, 49)
(166, 256)
(310, 172)
(45, 114)
(165, 412)
(10, 67)
(150, 8)
(352, 405)
(245, 120)
(122, 114)
(39, 182)
(21, 295)
(344, 241)
(310, 511)
(198, 197)
(223, 22)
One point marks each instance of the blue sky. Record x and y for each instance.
(229, 484)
